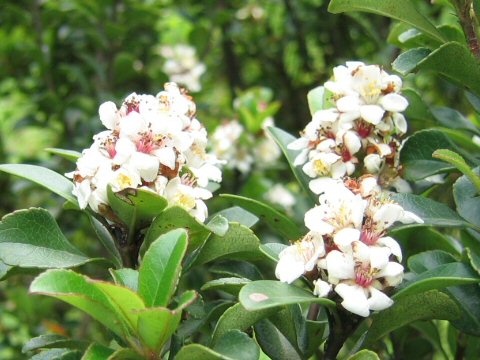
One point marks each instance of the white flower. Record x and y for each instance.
(279, 194)
(299, 258)
(338, 208)
(153, 143)
(182, 65)
(357, 277)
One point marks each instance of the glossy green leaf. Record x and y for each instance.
(49, 341)
(175, 217)
(430, 211)
(404, 11)
(239, 243)
(316, 99)
(282, 139)
(458, 161)
(97, 352)
(274, 218)
(161, 267)
(47, 178)
(106, 239)
(32, 238)
(240, 269)
(467, 198)
(156, 325)
(428, 305)
(364, 355)
(429, 260)
(452, 60)
(70, 155)
(78, 291)
(453, 119)
(474, 260)
(273, 342)
(438, 278)
(414, 240)
(58, 354)
(218, 225)
(126, 277)
(126, 303)
(198, 352)
(417, 108)
(237, 214)
(416, 155)
(237, 317)
(237, 345)
(125, 354)
(272, 250)
(136, 208)
(264, 294)
(230, 285)
(408, 61)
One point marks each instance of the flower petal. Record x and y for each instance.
(354, 299)
(372, 113)
(378, 300)
(393, 102)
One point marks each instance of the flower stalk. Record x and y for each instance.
(468, 20)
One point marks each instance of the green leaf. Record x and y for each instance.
(47, 178)
(32, 238)
(473, 259)
(77, 290)
(156, 325)
(198, 352)
(429, 260)
(364, 355)
(428, 305)
(273, 342)
(467, 198)
(239, 243)
(230, 285)
(264, 294)
(70, 155)
(175, 217)
(49, 341)
(453, 119)
(414, 240)
(241, 269)
(316, 99)
(126, 277)
(404, 11)
(452, 60)
(430, 211)
(416, 154)
(125, 354)
(458, 161)
(407, 62)
(282, 139)
(272, 250)
(126, 302)
(438, 278)
(97, 352)
(106, 239)
(237, 317)
(161, 267)
(218, 225)
(237, 214)
(274, 218)
(58, 354)
(417, 108)
(238, 346)
(136, 208)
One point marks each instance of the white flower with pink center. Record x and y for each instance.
(152, 142)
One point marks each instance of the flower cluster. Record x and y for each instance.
(182, 66)
(153, 143)
(242, 150)
(347, 247)
(361, 128)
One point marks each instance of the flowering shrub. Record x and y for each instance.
(153, 143)
(352, 269)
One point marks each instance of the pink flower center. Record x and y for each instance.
(363, 276)
(369, 237)
(146, 144)
(364, 129)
